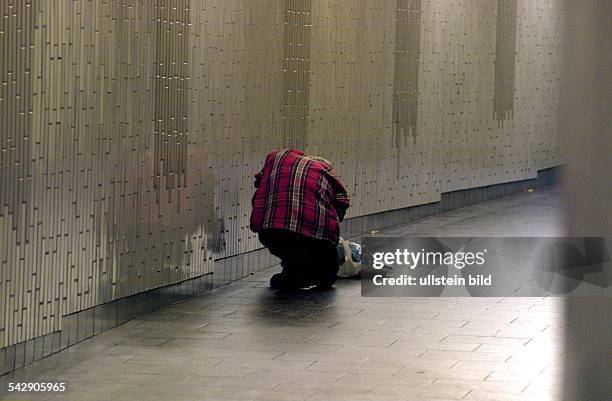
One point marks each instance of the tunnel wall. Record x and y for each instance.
(131, 130)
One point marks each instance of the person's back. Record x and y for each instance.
(299, 194)
(297, 208)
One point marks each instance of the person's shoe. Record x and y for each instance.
(281, 281)
(326, 282)
(326, 279)
(278, 281)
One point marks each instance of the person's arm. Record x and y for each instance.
(340, 200)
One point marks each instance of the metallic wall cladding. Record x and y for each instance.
(131, 129)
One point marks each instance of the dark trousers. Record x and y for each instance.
(304, 259)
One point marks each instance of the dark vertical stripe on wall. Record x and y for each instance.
(505, 59)
(296, 72)
(171, 98)
(15, 114)
(406, 70)
(16, 99)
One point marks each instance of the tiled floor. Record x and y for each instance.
(245, 341)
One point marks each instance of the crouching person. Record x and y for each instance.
(297, 207)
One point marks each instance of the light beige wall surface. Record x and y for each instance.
(130, 130)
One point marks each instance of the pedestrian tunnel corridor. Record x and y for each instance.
(176, 175)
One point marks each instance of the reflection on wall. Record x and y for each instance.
(131, 130)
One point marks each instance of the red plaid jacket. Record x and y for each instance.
(298, 194)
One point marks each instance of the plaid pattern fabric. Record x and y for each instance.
(298, 194)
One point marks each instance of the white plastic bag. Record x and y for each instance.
(349, 268)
